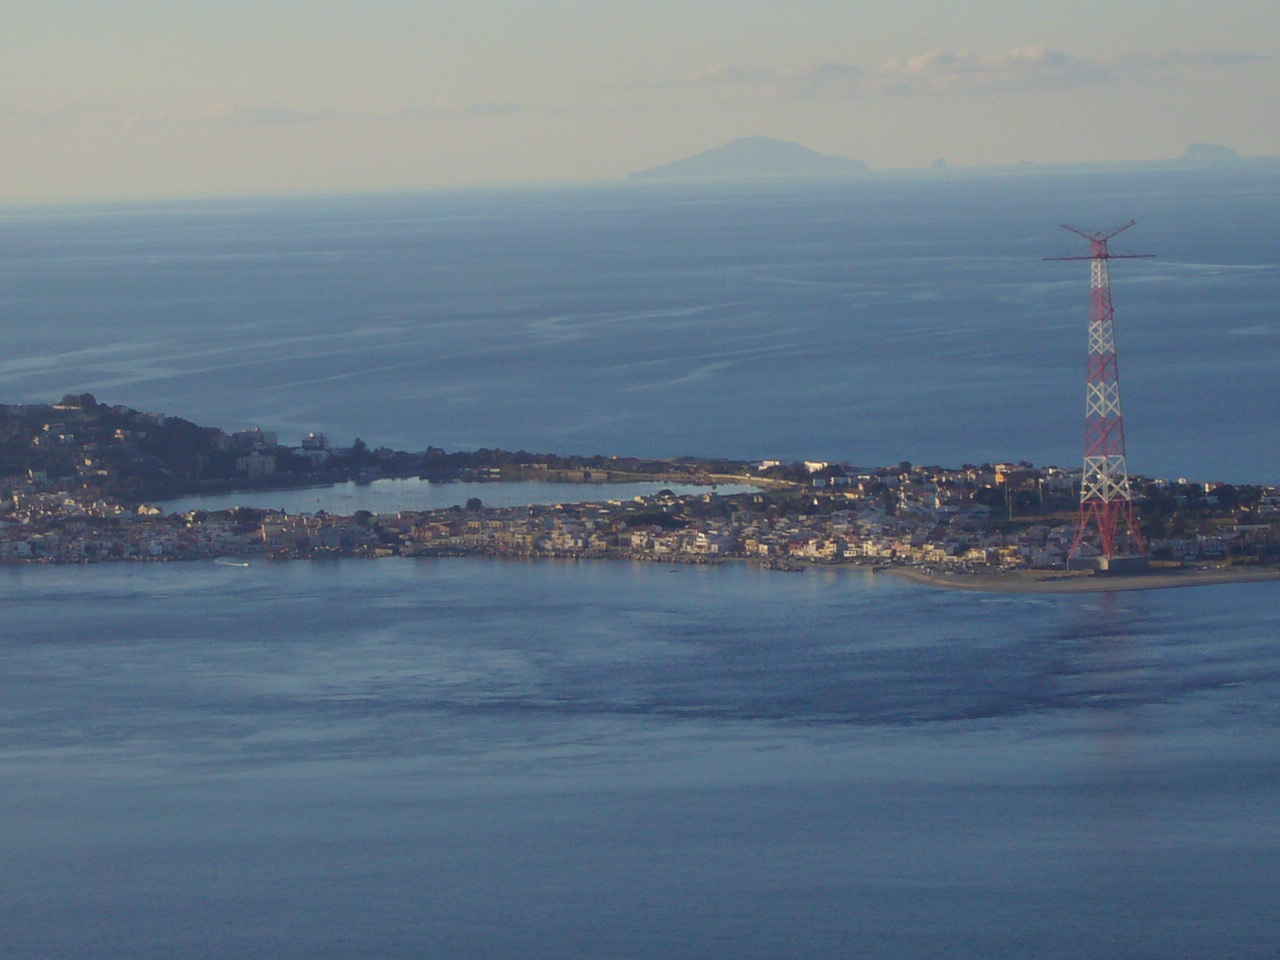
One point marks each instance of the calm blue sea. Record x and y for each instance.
(868, 320)
(502, 760)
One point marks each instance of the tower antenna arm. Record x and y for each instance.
(1098, 235)
(1098, 244)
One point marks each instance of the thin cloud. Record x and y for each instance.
(1033, 67)
(238, 115)
(809, 81)
(223, 113)
(48, 117)
(247, 116)
(951, 72)
(1175, 60)
(445, 110)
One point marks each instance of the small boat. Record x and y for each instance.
(231, 562)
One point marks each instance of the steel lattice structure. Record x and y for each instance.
(1106, 498)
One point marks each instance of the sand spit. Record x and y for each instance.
(1050, 581)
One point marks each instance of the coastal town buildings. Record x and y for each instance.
(927, 522)
(76, 473)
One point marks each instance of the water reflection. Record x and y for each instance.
(412, 493)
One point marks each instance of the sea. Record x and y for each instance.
(474, 758)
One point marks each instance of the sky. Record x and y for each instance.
(159, 98)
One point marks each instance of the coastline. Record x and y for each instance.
(1048, 581)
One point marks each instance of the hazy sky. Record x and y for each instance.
(163, 97)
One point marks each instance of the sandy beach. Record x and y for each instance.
(1053, 581)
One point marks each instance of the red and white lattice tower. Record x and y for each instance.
(1106, 498)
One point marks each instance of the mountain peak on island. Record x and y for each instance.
(1209, 155)
(755, 157)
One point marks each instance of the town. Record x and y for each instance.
(76, 479)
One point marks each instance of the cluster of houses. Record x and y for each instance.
(929, 518)
(816, 512)
(843, 527)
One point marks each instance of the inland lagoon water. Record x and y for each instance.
(411, 493)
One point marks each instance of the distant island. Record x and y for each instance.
(1210, 155)
(763, 158)
(76, 475)
(751, 157)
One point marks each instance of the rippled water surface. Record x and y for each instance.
(870, 320)
(500, 759)
(504, 760)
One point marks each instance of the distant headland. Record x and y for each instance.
(77, 476)
(754, 157)
(761, 157)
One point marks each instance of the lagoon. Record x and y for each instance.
(412, 493)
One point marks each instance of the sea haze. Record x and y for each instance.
(867, 320)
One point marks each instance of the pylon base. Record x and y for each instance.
(1119, 565)
(1129, 564)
